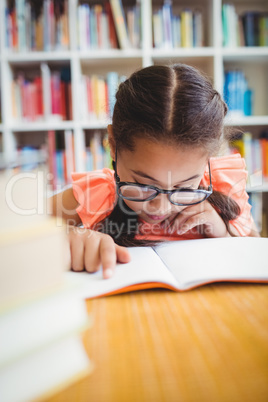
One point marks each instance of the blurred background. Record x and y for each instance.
(61, 62)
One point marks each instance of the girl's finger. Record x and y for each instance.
(107, 256)
(92, 260)
(77, 253)
(122, 254)
(193, 221)
(184, 215)
(179, 221)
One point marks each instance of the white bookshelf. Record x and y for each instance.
(212, 58)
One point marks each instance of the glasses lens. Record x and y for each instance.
(136, 193)
(187, 197)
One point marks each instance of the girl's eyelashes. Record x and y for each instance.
(185, 186)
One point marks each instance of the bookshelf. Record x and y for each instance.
(85, 59)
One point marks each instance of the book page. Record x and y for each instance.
(193, 262)
(145, 266)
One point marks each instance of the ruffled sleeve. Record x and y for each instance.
(96, 195)
(229, 176)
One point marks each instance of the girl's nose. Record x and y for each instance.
(161, 204)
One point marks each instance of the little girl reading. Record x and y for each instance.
(167, 182)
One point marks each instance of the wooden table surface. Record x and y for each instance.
(206, 344)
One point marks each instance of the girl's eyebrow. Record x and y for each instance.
(146, 176)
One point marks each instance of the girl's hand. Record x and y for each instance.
(91, 250)
(203, 217)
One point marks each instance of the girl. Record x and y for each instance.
(166, 185)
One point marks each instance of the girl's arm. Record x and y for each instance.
(64, 205)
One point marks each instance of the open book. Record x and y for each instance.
(182, 265)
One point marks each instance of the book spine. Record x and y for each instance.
(68, 139)
(46, 83)
(157, 30)
(111, 27)
(120, 23)
(167, 18)
(51, 158)
(112, 84)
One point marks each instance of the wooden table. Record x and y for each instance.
(207, 344)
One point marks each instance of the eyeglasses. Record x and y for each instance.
(143, 192)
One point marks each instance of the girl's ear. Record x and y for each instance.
(111, 141)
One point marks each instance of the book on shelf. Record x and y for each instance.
(98, 94)
(264, 152)
(37, 26)
(255, 200)
(133, 19)
(183, 265)
(111, 25)
(29, 157)
(229, 25)
(61, 159)
(187, 28)
(97, 152)
(96, 27)
(237, 94)
(249, 28)
(263, 30)
(42, 317)
(255, 152)
(45, 97)
(120, 23)
(177, 29)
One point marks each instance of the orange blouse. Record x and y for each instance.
(96, 194)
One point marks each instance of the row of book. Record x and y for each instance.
(32, 25)
(46, 97)
(98, 94)
(237, 94)
(57, 152)
(61, 161)
(61, 155)
(108, 26)
(247, 29)
(173, 30)
(42, 318)
(255, 152)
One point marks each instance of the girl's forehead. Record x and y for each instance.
(146, 151)
(158, 160)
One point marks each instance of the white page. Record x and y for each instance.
(194, 262)
(145, 266)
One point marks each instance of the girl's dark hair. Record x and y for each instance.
(175, 105)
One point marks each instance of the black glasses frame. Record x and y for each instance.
(120, 184)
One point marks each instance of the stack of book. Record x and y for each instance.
(42, 319)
